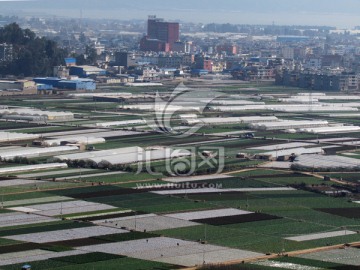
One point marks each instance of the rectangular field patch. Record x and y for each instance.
(63, 235)
(64, 208)
(227, 220)
(174, 251)
(208, 214)
(15, 219)
(315, 236)
(353, 212)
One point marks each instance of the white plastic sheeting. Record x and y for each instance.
(331, 130)
(30, 152)
(12, 136)
(281, 146)
(19, 169)
(35, 112)
(77, 139)
(296, 151)
(121, 123)
(235, 102)
(284, 124)
(126, 155)
(230, 120)
(320, 161)
(284, 108)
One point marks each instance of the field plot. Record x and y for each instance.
(61, 172)
(353, 212)
(147, 222)
(94, 261)
(94, 177)
(34, 255)
(276, 165)
(36, 200)
(28, 168)
(63, 235)
(310, 263)
(350, 177)
(347, 256)
(208, 214)
(150, 202)
(253, 217)
(286, 265)
(172, 251)
(14, 219)
(195, 178)
(217, 190)
(17, 182)
(281, 146)
(315, 236)
(64, 208)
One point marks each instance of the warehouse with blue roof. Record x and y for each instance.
(59, 83)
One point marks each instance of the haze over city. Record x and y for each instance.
(342, 14)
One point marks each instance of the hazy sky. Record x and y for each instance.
(341, 13)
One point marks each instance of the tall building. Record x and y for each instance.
(6, 53)
(125, 59)
(161, 35)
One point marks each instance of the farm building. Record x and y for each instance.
(187, 116)
(13, 137)
(288, 124)
(284, 108)
(236, 102)
(73, 140)
(28, 168)
(77, 84)
(125, 155)
(31, 152)
(331, 130)
(327, 162)
(30, 112)
(17, 87)
(283, 153)
(74, 84)
(230, 120)
(121, 123)
(86, 71)
(161, 107)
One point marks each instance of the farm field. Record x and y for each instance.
(101, 211)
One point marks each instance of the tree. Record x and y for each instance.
(32, 55)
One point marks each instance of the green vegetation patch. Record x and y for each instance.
(88, 258)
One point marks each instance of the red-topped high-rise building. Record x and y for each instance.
(161, 35)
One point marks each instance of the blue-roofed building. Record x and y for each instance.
(41, 87)
(53, 81)
(77, 84)
(58, 83)
(70, 62)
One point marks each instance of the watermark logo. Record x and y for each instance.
(180, 186)
(182, 162)
(182, 100)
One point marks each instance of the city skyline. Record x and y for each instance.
(342, 14)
